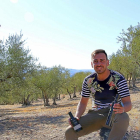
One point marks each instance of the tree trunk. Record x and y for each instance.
(45, 99)
(74, 94)
(54, 101)
(130, 80)
(129, 84)
(69, 93)
(133, 81)
(26, 101)
(127, 76)
(59, 97)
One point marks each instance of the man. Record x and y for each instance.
(103, 85)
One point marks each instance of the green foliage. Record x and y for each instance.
(51, 81)
(77, 80)
(15, 66)
(58, 80)
(22, 81)
(127, 60)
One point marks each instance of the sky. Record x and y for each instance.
(66, 32)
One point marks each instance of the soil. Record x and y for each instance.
(36, 122)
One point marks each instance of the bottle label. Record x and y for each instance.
(77, 127)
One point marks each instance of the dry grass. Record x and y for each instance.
(39, 122)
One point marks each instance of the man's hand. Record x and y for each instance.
(70, 121)
(118, 109)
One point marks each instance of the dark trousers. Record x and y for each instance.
(95, 120)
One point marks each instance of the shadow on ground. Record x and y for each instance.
(28, 123)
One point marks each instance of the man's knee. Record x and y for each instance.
(68, 131)
(70, 134)
(122, 119)
(120, 126)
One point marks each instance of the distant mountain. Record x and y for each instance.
(73, 71)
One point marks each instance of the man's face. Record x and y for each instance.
(100, 63)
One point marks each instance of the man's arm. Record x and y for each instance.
(81, 107)
(127, 105)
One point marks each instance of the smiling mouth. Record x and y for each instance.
(99, 67)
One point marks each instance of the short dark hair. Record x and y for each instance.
(97, 52)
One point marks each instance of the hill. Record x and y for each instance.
(74, 71)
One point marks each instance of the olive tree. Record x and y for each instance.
(16, 63)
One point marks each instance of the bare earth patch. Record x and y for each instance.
(37, 122)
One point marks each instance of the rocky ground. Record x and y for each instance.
(37, 122)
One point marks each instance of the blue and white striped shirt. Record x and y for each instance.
(104, 92)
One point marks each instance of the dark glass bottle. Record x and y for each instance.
(75, 123)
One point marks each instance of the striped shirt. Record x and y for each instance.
(104, 92)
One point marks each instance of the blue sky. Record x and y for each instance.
(65, 32)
